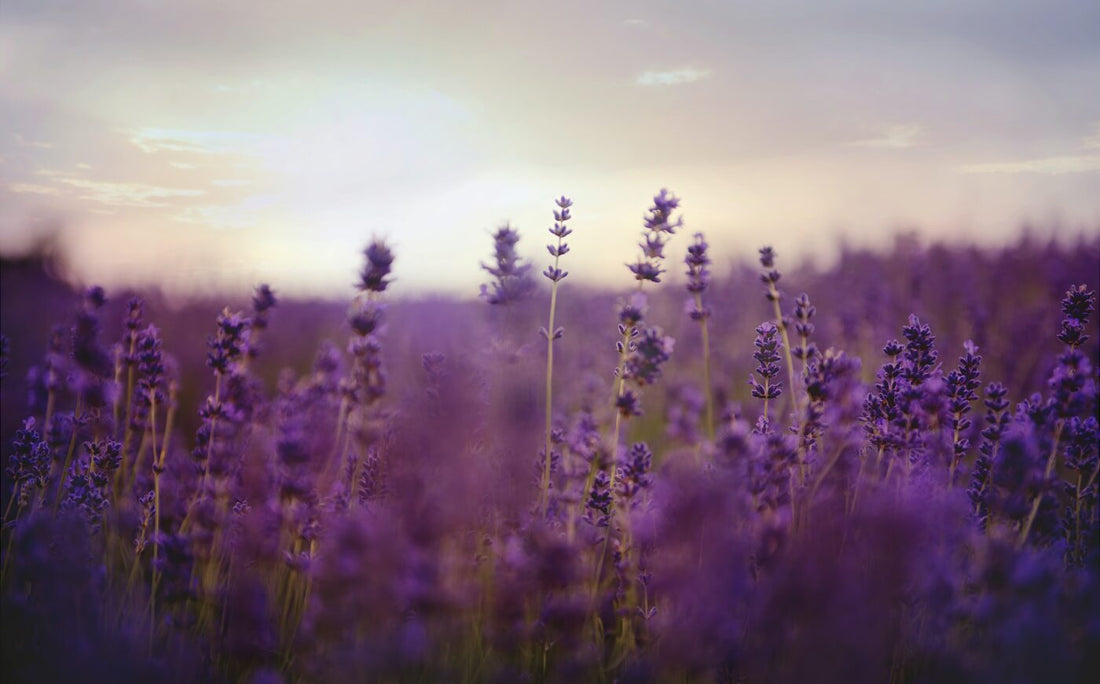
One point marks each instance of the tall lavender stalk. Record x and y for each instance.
(556, 275)
(698, 281)
(647, 268)
(93, 371)
(770, 277)
(767, 367)
(151, 371)
(1067, 381)
(511, 274)
(128, 360)
(961, 385)
(368, 381)
(658, 226)
(641, 355)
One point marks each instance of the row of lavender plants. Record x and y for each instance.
(539, 504)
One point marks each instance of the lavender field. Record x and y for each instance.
(880, 471)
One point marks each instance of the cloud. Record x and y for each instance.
(230, 182)
(255, 85)
(33, 189)
(673, 77)
(1092, 140)
(635, 22)
(893, 137)
(1087, 161)
(1049, 166)
(127, 194)
(24, 142)
(242, 215)
(154, 140)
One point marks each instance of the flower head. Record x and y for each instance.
(375, 274)
(658, 224)
(511, 275)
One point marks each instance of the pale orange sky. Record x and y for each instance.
(219, 144)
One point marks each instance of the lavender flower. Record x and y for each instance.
(881, 410)
(961, 384)
(770, 278)
(94, 366)
(105, 455)
(598, 504)
(649, 351)
(659, 224)
(263, 301)
(150, 366)
(698, 275)
(227, 346)
(366, 318)
(628, 404)
(551, 333)
(1077, 305)
(29, 463)
(560, 231)
(511, 275)
(698, 281)
(823, 375)
(87, 494)
(803, 316)
(920, 354)
(368, 377)
(375, 275)
(1082, 456)
(635, 472)
(767, 363)
(5, 355)
(996, 420)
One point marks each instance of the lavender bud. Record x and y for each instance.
(511, 275)
(375, 273)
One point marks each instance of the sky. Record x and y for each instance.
(208, 144)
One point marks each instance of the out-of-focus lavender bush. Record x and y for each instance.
(439, 490)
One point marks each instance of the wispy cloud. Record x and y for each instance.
(1050, 166)
(230, 182)
(635, 22)
(24, 142)
(1088, 160)
(128, 194)
(154, 140)
(242, 215)
(33, 189)
(893, 137)
(1092, 140)
(255, 84)
(671, 78)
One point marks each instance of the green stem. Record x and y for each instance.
(209, 452)
(156, 512)
(545, 488)
(706, 368)
(68, 455)
(1039, 497)
(779, 323)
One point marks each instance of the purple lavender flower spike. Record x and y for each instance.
(767, 358)
(375, 274)
(697, 262)
(511, 275)
(658, 225)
